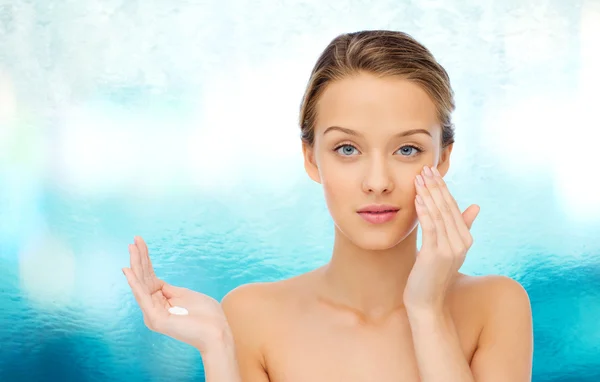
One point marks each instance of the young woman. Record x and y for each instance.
(377, 134)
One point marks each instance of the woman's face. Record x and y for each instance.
(372, 137)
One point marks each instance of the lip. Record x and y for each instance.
(378, 213)
(374, 208)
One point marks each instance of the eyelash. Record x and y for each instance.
(419, 149)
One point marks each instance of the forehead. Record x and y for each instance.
(365, 102)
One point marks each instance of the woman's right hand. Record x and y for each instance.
(204, 327)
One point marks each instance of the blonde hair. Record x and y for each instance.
(382, 53)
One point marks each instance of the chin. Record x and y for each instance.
(377, 241)
(377, 238)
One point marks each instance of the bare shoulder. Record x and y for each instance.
(263, 297)
(251, 308)
(508, 304)
(505, 344)
(494, 292)
(248, 298)
(253, 311)
(486, 280)
(502, 315)
(246, 308)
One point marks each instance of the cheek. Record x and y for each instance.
(407, 184)
(335, 184)
(409, 176)
(338, 183)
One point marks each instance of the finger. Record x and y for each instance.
(471, 214)
(170, 291)
(136, 262)
(142, 297)
(459, 221)
(436, 216)
(143, 251)
(442, 212)
(427, 226)
(160, 300)
(154, 312)
(150, 270)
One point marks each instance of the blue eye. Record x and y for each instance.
(407, 150)
(345, 150)
(349, 150)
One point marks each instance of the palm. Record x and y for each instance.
(200, 306)
(205, 317)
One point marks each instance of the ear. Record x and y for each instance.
(444, 162)
(310, 164)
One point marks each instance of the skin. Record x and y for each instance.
(349, 320)
(381, 309)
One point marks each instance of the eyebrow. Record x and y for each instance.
(357, 134)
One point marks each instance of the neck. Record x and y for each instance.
(369, 282)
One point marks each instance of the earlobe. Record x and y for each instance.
(310, 165)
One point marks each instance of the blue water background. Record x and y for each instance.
(177, 122)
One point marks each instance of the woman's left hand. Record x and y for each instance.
(446, 240)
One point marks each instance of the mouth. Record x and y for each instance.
(378, 214)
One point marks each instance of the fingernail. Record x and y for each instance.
(427, 171)
(436, 172)
(420, 180)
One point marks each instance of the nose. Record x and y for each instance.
(378, 178)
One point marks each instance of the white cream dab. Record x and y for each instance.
(178, 311)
